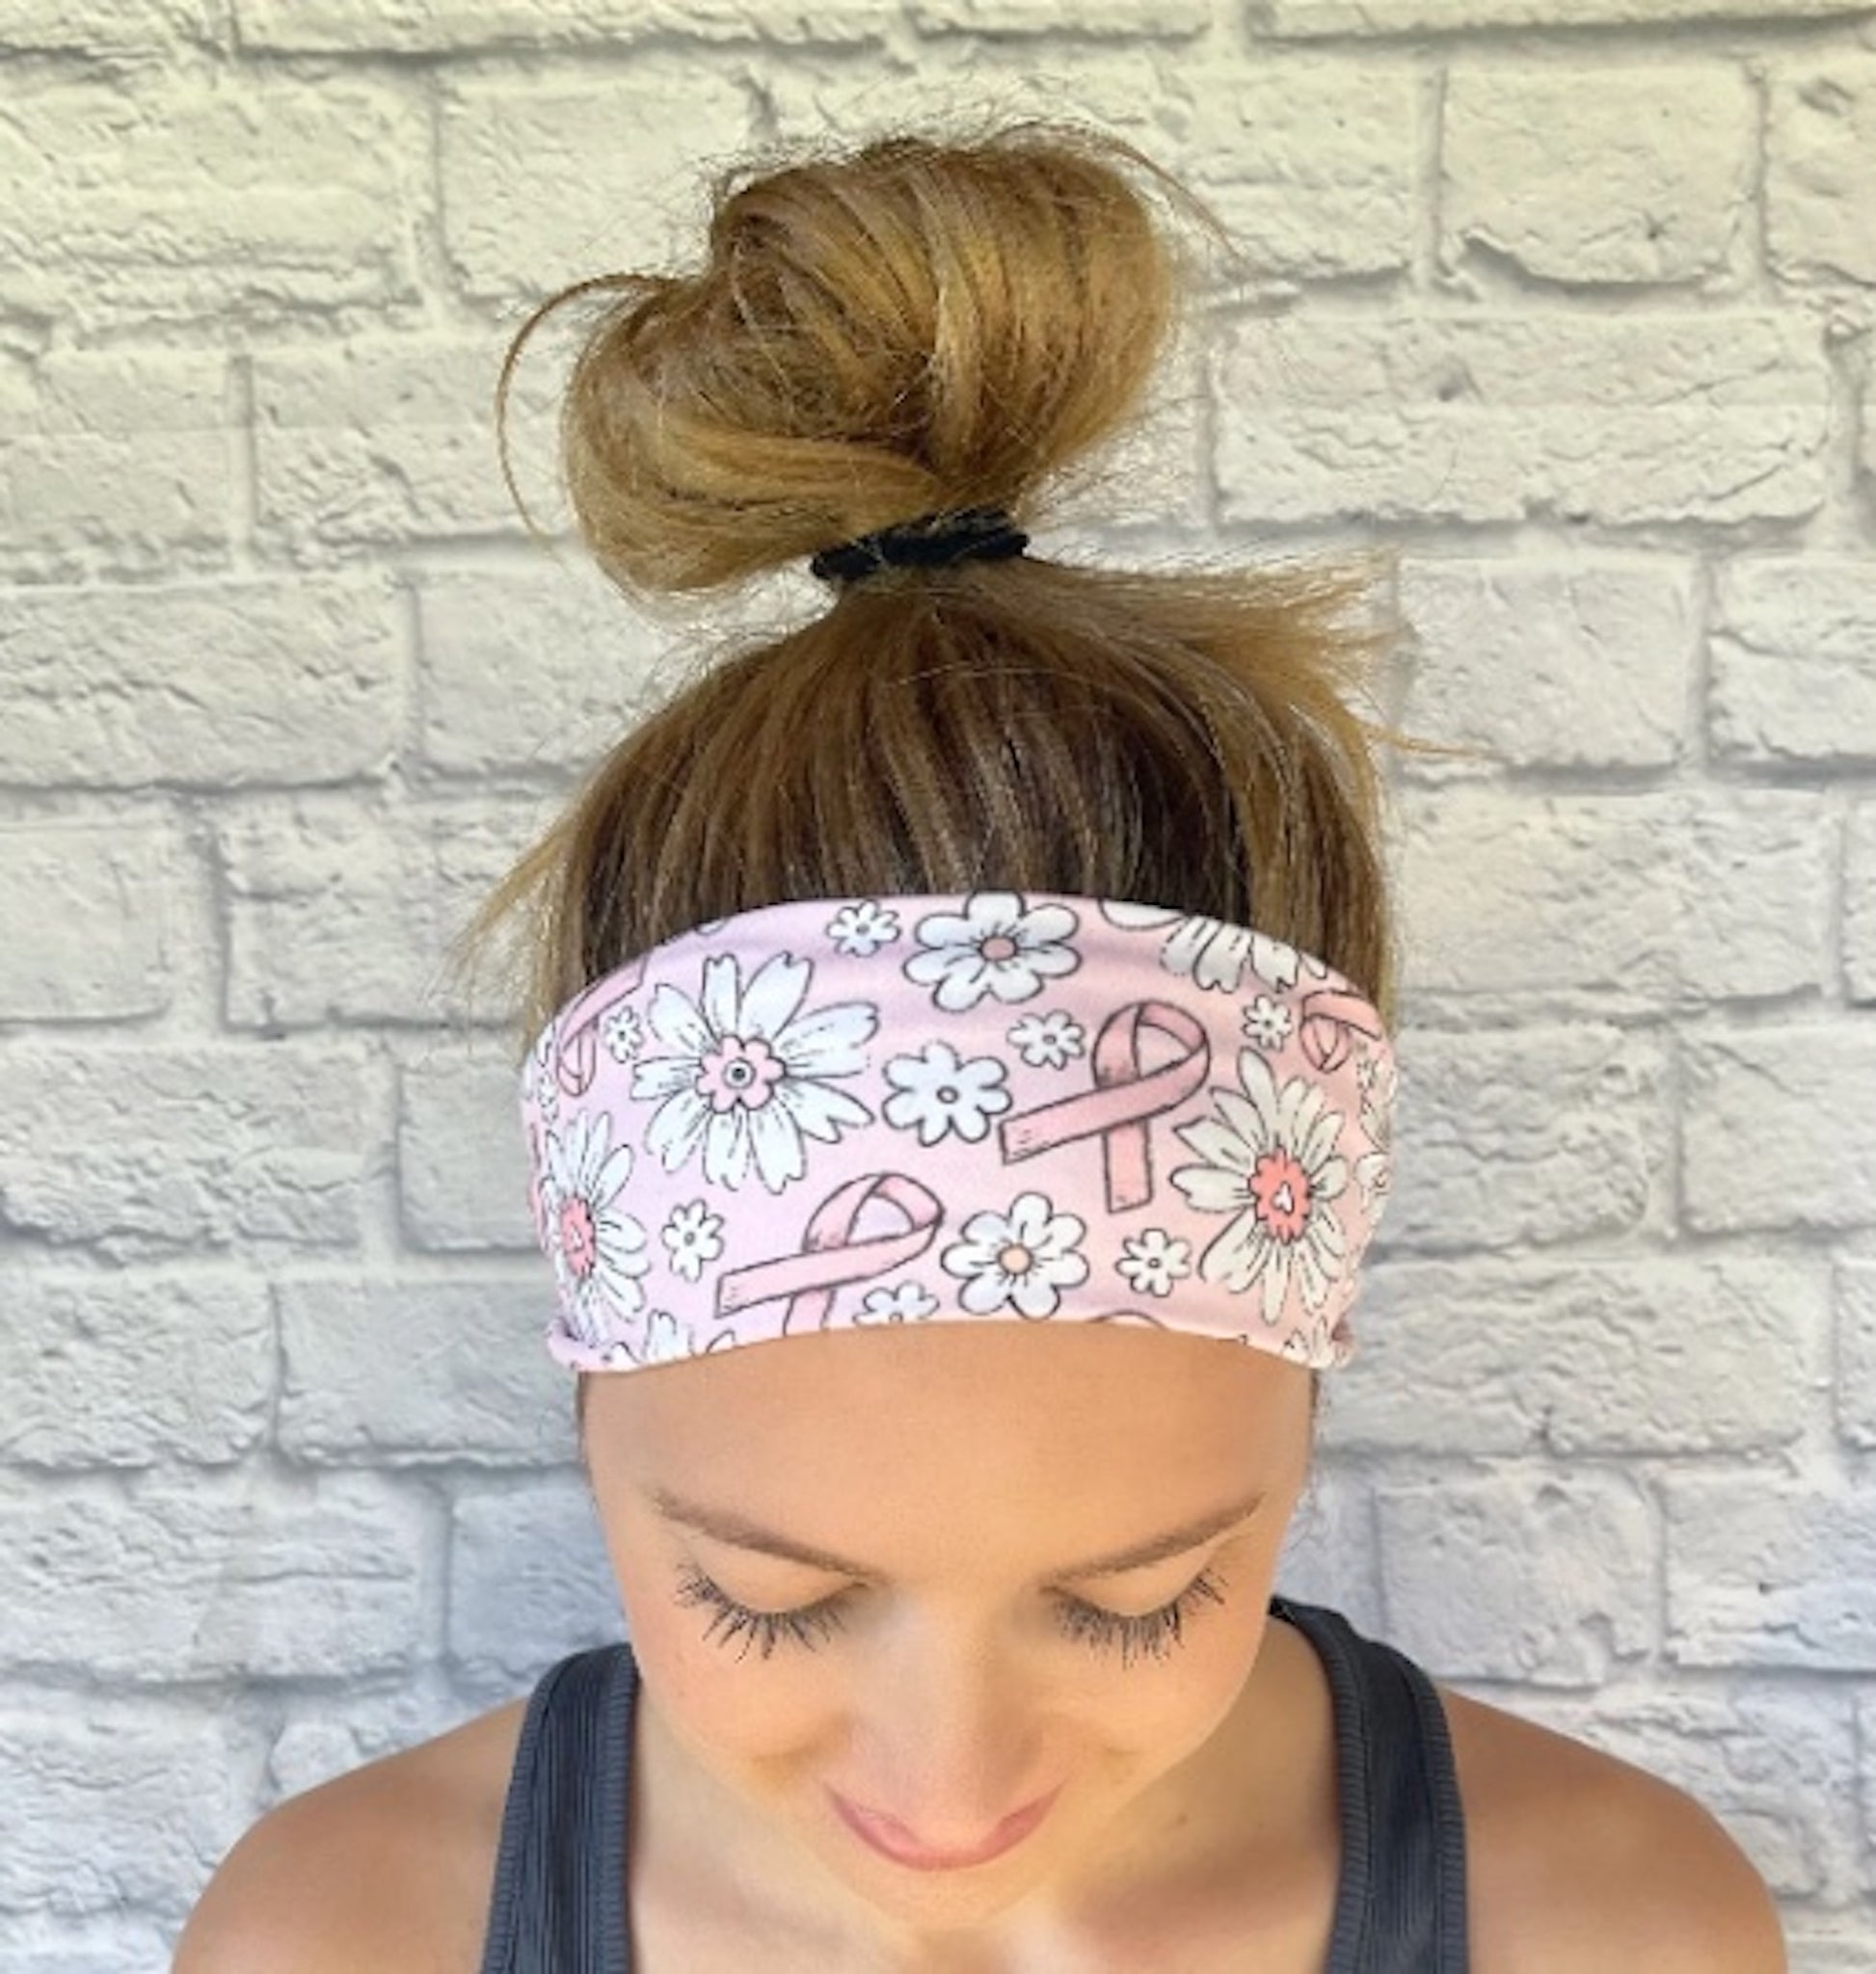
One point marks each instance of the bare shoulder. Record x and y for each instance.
(1578, 1862)
(388, 1866)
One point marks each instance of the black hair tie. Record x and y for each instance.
(984, 534)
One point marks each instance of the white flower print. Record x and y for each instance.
(1268, 1023)
(861, 928)
(1211, 952)
(668, 1338)
(1049, 1038)
(938, 1092)
(1376, 1079)
(693, 1235)
(1272, 1165)
(1154, 1259)
(742, 1075)
(622, 1031)
(1018, 1258)
(993, 946)
(544, 1087)
(904, 1302)
(598, 1252)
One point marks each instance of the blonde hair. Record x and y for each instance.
(917, 324)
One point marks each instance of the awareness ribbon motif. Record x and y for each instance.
(709, 1125)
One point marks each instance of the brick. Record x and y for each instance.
(1767, 1572)
(1114, 17)
(86, 909)
(1793, 644)
(336, 914)
(140, 1147)
(529, 1577)
(1587, 173)
(1559, 1573)
(93, 1944)
(104, 1371)
(1583, 663)
(112, 1801)
(1820, 163)
(1719, 415)
(241, 1576)
(1779, 1132)
(348, 27)
(1646, 1354)
(554, 182)
(1856, 1366)
(1311, 163)
(525, 670)
(1490, 1164)
(461, 1162)
(1817, 1951)
(382, 1367)
(179, 201)
(386, 440)
(206, 684)
(103, 28)
(1860, 901)
(1315, 17)
(115, 459)
(1606, 905)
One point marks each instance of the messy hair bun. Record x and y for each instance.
(915, 327)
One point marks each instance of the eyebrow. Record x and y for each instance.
(725, 1525)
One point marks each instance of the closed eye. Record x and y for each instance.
(1154, 1632)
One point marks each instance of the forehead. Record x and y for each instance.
(960, 1412)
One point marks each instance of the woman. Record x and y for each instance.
(985, 990)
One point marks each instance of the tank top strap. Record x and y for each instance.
(1400, 1908)
(558, 1899)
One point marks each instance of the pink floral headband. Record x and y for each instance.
(960, 1107)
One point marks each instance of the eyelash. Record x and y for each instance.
(1153, 1632)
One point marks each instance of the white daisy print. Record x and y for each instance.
(598, 1251)
(1018, 1260)
(936, 1091)
(622, 1031)
(993, 946)
(1268, 1023)
(1211, 952)
(1049, 1038)
(692, 1235)
(902, 1302)
(861, 928)
(1151, 1262)
(742, 1071)
(1271, 1164)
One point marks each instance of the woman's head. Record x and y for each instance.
(958, 1656)
(912, 327)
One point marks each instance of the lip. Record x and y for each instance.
(884, 1837)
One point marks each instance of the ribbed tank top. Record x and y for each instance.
(559, 1903)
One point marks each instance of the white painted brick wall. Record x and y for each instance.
(1576, 299)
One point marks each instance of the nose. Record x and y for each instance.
(955, 1762)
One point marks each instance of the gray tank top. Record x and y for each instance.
(558, 1904)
